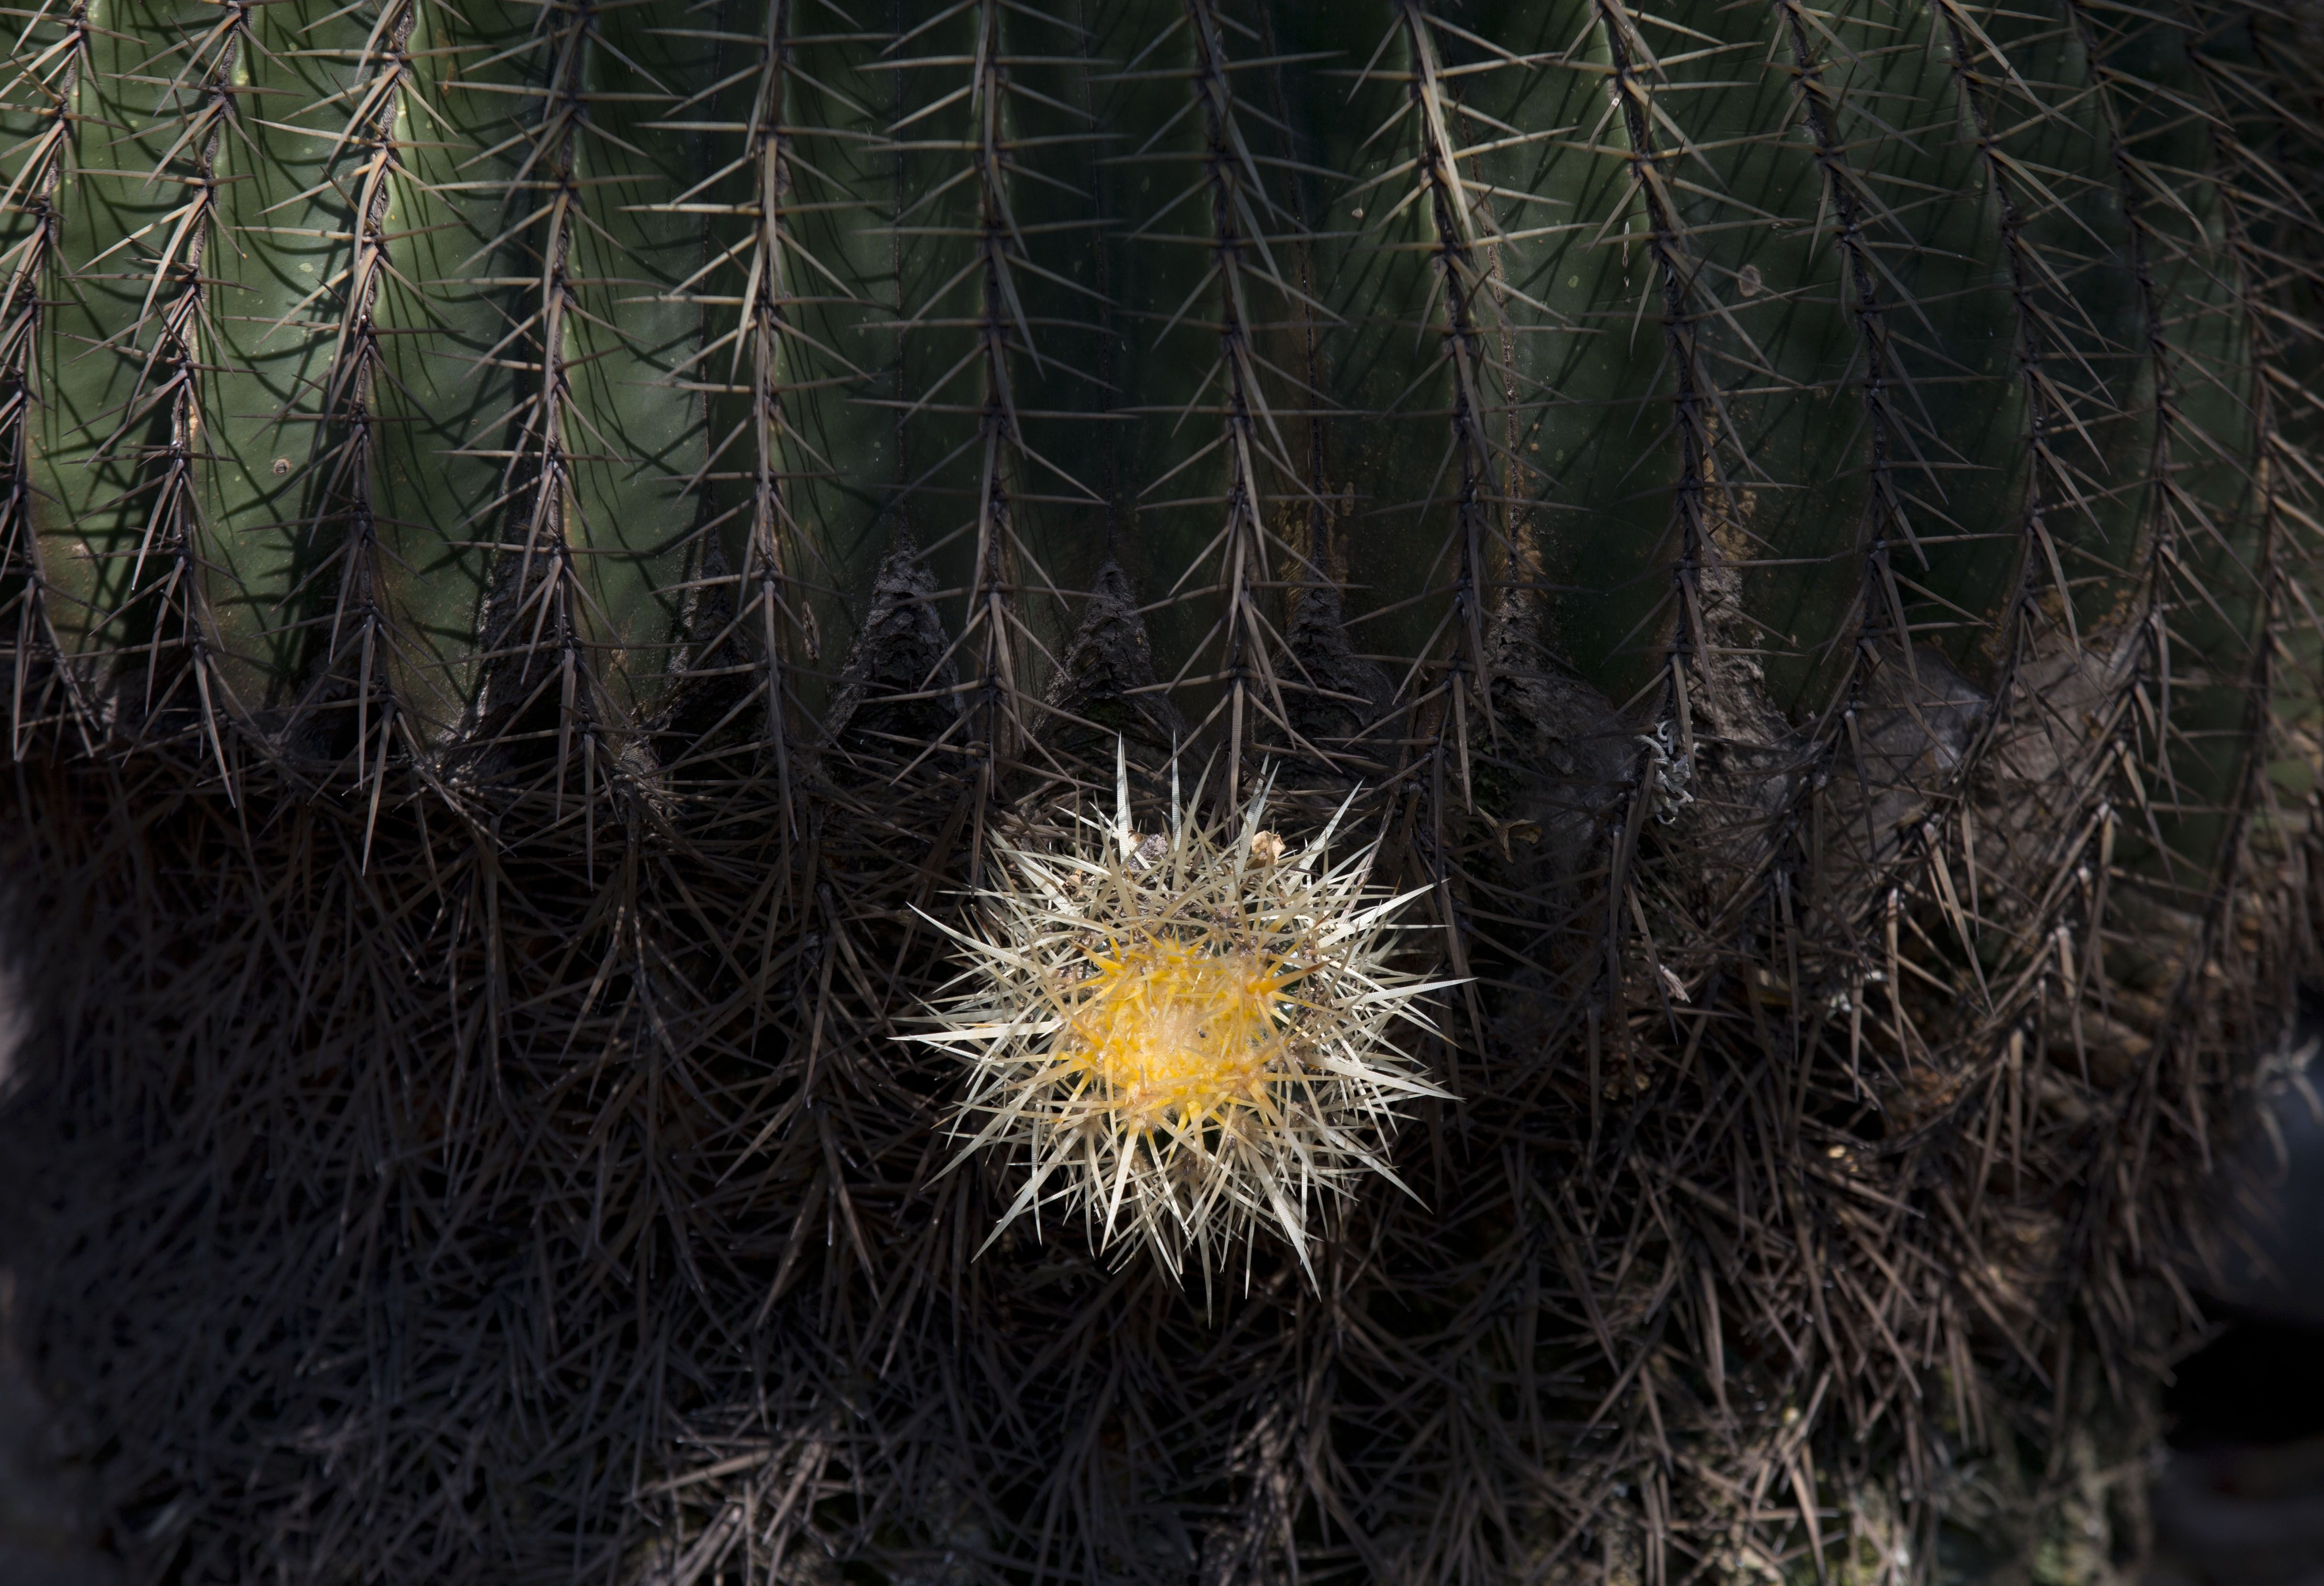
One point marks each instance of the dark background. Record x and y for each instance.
(2239, 1493)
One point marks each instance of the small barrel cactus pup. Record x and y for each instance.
(1186, 1036)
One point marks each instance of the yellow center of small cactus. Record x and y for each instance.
(1175, 1034)
(1185, 1035)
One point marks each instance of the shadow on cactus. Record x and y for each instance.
(570, 573)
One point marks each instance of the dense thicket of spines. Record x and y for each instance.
(541, 538)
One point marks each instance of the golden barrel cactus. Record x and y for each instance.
(1422, 790)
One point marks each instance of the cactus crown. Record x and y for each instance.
(1187, 1035)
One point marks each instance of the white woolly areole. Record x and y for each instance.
(1185, 1035)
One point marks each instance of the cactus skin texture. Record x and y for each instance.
(542, 544)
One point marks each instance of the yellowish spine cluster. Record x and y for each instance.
(1185, 1035)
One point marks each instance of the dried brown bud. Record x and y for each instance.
(1266, 848)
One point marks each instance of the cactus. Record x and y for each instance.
(569, 567)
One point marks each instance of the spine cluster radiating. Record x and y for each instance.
(1186, 1036)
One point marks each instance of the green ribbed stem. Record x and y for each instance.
(582, 350)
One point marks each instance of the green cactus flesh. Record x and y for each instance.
(434, 346)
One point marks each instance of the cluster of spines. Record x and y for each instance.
(1198, 1184)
